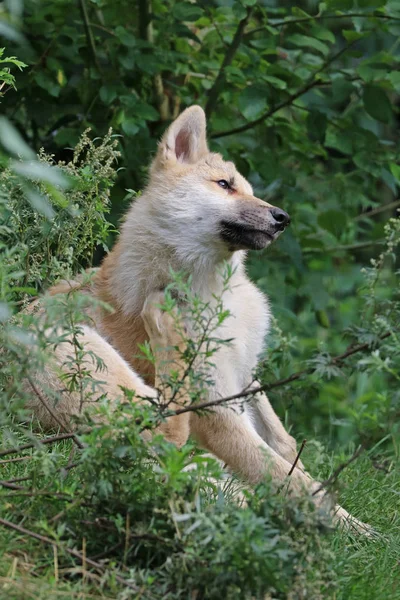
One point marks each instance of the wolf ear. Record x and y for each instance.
(185, 139)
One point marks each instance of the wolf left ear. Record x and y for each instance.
(185, 139)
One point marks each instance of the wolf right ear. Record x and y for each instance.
(185, 139)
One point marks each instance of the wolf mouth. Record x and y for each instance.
(243, 236)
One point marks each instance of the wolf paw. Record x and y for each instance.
(353, 525)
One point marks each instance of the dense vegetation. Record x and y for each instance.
(305, 100)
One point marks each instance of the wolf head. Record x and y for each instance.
(198, 199)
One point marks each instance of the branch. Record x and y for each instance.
(320, 18)
(146, 33)
(331, 480)
(89, 33)
(230, 53)
(378, 209)
(313, 81)
(296, 460)
(50, 440)
(346, 247)
(74, 553)
(279, 383)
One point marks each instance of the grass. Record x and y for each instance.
(364, 569)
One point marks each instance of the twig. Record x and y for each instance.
(331, 480)
(74, 553)
(14, 460)
(377, 210)
(279, 383)
(313, 82)
(344, 248)
(29, 477)
(51, 440)
(321, 17)
(89, 33)
(11, 486)
(146, 33)
(296, 460)
(229, 55)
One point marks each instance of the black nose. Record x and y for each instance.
(280, 217)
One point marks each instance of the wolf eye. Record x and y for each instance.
(224, 184)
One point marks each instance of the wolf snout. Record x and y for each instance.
(280, 218)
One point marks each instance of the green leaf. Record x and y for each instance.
(394, 79)
(47, 83)
(37, 171)
(239, 11)
(377, 103)
(395, 170)
(12, 141)
(108, 93)
(146, 111)
(10, 33)
(5, 312)
(185, 11)
(275, 82)
(125, 37)
(322, 318)
(351, 36)
(130, 127)
(316, 125)
(252, 101)
(304, 41)
(333, 221)
(40, 203)
(322, 34)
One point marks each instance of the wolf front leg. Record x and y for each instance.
(269, 426)
(167, 342)
(233, 439)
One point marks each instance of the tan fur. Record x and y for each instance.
(177, 223)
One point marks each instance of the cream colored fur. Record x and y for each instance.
(176, 223)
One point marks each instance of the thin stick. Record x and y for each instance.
(228, 58)
(55, 553)
(320, 17)
(14, 460)
(51, 440)
(296, 460)
(270, 386)
(377, 210)
(74, 553)
(312, 82)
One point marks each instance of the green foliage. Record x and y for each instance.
(48, 234)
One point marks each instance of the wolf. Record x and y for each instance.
(196, 213)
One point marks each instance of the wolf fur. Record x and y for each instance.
(188, 219)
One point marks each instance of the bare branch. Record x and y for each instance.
(378, 209)
(89, 34)
(229, 55)
(270, 386)
(320, 17)
(312, 82)
(51, 440)
(296, 460)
